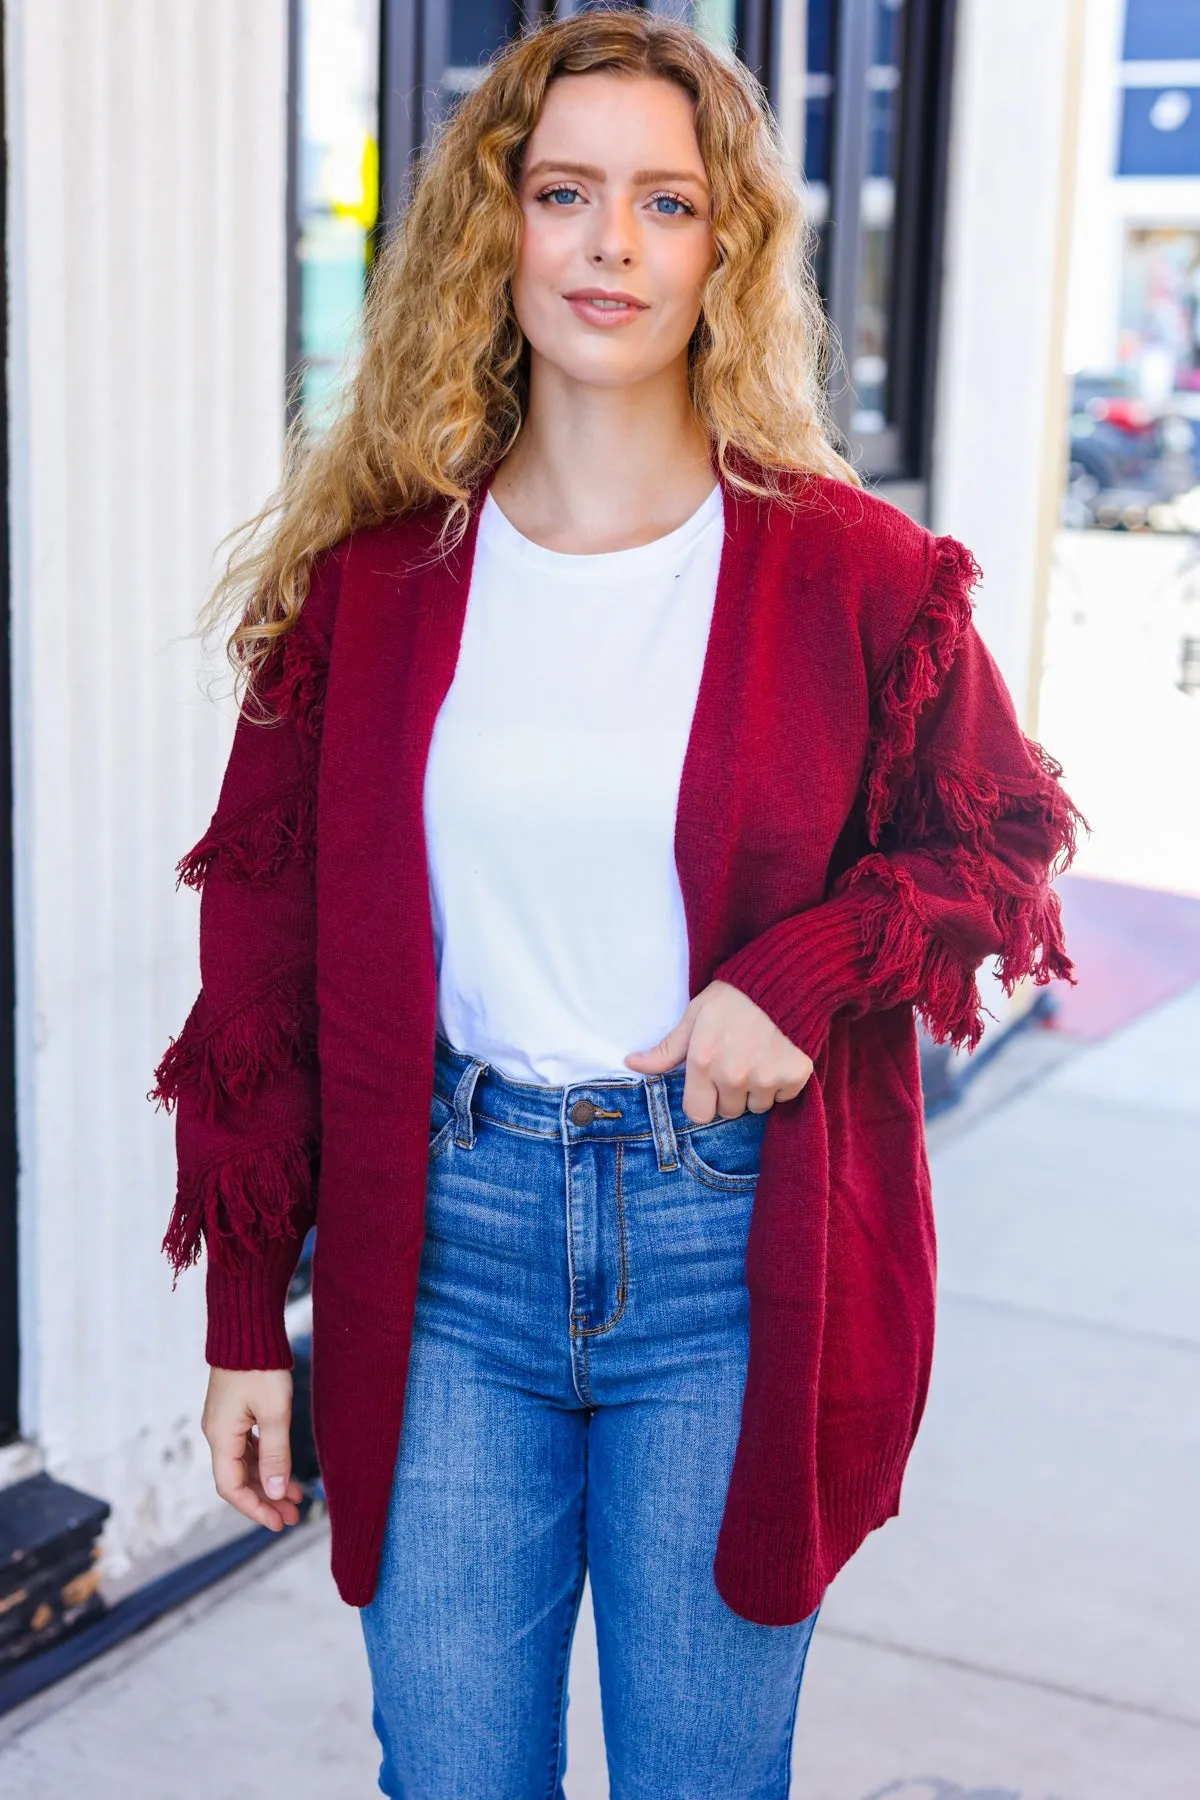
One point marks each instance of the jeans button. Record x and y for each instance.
(582, 1113)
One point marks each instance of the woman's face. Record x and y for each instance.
(614, 200)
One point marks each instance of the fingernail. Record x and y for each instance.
(275, 1486)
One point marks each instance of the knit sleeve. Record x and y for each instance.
(965, 825)
(242, 1075)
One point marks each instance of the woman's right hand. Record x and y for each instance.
(253, 1473)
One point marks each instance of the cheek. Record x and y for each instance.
(541, 260)
(543, 251)
(681, 269)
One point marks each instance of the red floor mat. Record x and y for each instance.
(1132, 947)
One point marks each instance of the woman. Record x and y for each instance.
(617, 779)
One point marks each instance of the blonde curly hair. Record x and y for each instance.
(440, 387)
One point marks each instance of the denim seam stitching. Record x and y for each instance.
(579, 1379)
(589, 1331)
(438, 1144)
(664, 1127)
(565, 1659)
(787, 1755)
(715, 1178)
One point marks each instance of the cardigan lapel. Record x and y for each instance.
(396, 643)
(706, 834)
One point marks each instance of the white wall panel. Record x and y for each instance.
(1001, 355)
(147, 291)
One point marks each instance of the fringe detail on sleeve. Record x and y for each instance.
(1033, 941)
(965, 805)
(295, 680)
(954, 813)
(235, 1207)
(908, 961)
(950, 815)
(228, 1060)
(257, 848)
(916, 673)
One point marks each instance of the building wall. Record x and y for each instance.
(147, 272)
(1000, 410)
(1106, 203)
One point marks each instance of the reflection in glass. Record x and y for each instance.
(884, 75)
(337, 189)
(715, 20)
(478, 28)
(818, 126)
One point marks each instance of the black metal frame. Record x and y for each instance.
(402, 61)
(920, 245)
(757, 35)
(414, 54)
(10, 1342)
(901, 451)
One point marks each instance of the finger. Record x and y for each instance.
(287, 1506)
(669, 1051)
(274, 1454)
(229, 1476)
(731, 1099)
(700, 1096)
(797, 1080)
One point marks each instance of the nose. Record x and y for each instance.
(615, 238)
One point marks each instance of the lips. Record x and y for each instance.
(606, 295)
(605, 311)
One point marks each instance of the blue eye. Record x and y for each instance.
(675, 200)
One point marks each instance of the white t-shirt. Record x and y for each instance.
(550, 798)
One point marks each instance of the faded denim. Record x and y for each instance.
(573, 1400)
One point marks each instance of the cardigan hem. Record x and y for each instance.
(776, 1571)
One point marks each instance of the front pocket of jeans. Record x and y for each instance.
(441, 1125)
(726, 1153)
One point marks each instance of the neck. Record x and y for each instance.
(597, 468)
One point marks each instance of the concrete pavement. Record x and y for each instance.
(1027, 1629)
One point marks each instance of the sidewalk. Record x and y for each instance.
(1026, 1630)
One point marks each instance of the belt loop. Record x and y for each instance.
(464, 1134)
(666, 1147)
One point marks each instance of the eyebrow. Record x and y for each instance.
(639, 175)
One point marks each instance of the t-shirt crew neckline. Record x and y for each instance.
(634, 559)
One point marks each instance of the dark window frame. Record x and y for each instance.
(902, 450)
(901, 453)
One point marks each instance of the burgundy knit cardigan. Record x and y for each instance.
(861, 822)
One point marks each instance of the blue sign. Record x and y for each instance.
(1160, 132)
(1161, 30)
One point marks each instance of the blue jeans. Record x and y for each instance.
(573, 1400)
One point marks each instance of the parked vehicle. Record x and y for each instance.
(1127, 454)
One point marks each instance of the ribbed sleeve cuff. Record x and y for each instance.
(246, 1308)
(804, 969)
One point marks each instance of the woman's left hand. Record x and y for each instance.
(737, 1057)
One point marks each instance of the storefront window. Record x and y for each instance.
(818, 125)
(472, 32)
(878, 217)
(1159, 343)
(336, 191)
(715, 20)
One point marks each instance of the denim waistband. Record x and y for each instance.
(647, 1106)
